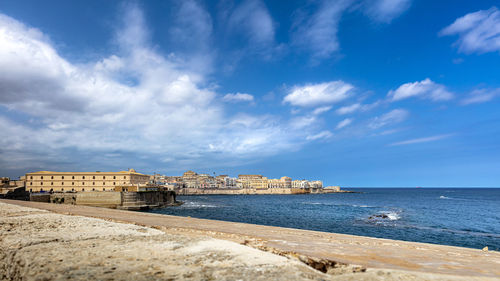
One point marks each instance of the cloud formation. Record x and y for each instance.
(320, 135)
(478, 32)
(421, 140)
(318, 32)
(238, 97)
(343, 123)
(425, 89)
(319, 94)
(252, 18)
(349, 109)
(135, 102)
(392, 117)
(385, 10)
(480, 96)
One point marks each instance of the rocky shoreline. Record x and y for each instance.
(37, 244)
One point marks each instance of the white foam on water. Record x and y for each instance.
(393, 216)
(198, 205)
(444, 197)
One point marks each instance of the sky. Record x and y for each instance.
(357, 93)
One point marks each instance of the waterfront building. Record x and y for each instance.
(190, 179)
(83, 181)
(316, 184)
(300, 184)
(253, 181)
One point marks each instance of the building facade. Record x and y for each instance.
(82, 181)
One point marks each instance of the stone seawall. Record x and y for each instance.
(110, 199)
(39, 245)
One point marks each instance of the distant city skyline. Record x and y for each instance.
(383, 93)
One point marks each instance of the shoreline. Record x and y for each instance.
(318, 249)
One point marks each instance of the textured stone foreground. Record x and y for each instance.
(36, 244)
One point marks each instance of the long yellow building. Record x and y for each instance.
(82, 181)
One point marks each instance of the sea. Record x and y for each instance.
(465, 217)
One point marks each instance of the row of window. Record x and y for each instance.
(83, 177)
(73, 183)
(62, 189)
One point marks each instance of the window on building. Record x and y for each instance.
(41, 183)
(103, 177)
(124, 177)
(62, 183)
(104, 189)
(83, 177)
(93, 183)
(31, 177)
(93, 177)
(114, 177)
(62, 189)
(52, 183)
(83, 189)
(42, 177)
(62, 177)
(83, 183)
(103, 183)
(93, 189)
(114, 183)
(73, 177)
(51, 177)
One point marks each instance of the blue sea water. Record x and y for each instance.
(467, 217)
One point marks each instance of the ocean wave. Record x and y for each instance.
(444, 197)
(193, 205)
(384, 216)
(393, 216)
(338, 205)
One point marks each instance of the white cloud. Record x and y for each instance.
(136, 102)
(344, 123)
(480, 96)
(318, 32)
(303, 122)
(238, 97)
(421, 140)
(318, 94)
(320, 135)
(385, 10)
(252, 18)
(425, 89)
(322, 109)
(478, 32)
(392, 117)
(348, 109)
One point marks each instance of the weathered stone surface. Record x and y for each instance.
(40, 245)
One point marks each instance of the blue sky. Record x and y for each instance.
(355, 93)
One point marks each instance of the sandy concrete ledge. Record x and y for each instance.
(36, 244)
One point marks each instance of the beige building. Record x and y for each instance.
(283, 182)
(82, 181)
(190, 179)
(252, 181)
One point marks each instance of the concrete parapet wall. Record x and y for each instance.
(100, 199)
(135, 200)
